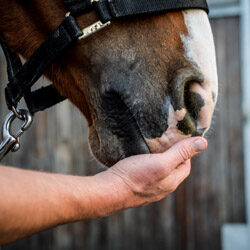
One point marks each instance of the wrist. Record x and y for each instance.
(94, 197)
(109, 194)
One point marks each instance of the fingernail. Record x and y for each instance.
(199, 145)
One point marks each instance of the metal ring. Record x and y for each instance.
(17, 114)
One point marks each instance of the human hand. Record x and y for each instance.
(150, 178)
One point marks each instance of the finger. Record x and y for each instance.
(182, 171)
(177, 176)
(160, 165)
(184, 151)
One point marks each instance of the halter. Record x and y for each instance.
(22, 77)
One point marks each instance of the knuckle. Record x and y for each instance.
(185, 153)
(139, 190)
(176, 184)
(173, 187)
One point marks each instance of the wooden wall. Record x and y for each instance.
(221, 2)
(189, 219)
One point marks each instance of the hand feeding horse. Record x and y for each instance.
(143, 83)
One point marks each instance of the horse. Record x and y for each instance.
(143, 83)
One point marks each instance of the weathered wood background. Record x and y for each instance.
(189, 219)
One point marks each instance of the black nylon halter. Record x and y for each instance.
(22, 77)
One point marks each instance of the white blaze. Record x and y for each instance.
(199, 49)
(199, 46)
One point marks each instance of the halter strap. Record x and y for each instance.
(38, 100)
(21, 82)
(109, 10)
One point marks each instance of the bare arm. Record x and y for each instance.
(32, 201)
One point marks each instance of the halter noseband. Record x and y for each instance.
(23, 77)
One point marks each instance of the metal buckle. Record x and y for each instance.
(93, 28)
(12, 142)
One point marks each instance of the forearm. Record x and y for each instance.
(33, 201)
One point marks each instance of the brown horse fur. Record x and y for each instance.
(129, 64)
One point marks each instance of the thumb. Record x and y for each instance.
(185, 150)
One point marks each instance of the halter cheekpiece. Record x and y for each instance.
(22, 77)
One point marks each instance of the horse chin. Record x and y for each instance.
(108, 148)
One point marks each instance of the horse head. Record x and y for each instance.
(143, 83)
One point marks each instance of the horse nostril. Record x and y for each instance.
(179, 89)
(193, 102)
(183, 98)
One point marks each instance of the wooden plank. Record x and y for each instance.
(221, 2)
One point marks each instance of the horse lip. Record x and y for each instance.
(141, 135)
(122, 122)
(138, 130)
